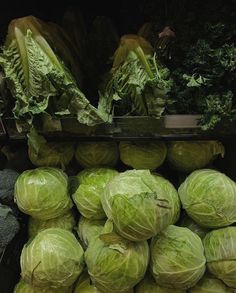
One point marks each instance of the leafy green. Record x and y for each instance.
(137, 84)
(38, 78)
(205, 81)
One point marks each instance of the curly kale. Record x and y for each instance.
(206, 81)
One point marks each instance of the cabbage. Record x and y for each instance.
(23, 287)
(85, 285)
(115, 264)
(143, 155)
(220, 251)
(210, 285)
(140, 204)
(88, 195)
(194, 227)
(209, 198)
(53, 154)
(66, 221)
(148, 285)
(89, 230)
(42, 193)
(97, 154)
(53, 258)
(187, 156)
(177, 258)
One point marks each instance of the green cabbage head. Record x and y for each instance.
(116, 264)
(53, 258)
(140, 204)
(187, 156)
(97, 154)
(43, 193)
(51, 154)
(148, 285)
(88, 195)
(210, 285)
(209, 198)
(23, 287)
(220, 251)
(66, 221)
(177, 258)
(193, 226)
(85, 285)
(89, 230)
(143, 155)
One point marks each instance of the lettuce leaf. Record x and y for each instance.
(137, 84)
(38, 78)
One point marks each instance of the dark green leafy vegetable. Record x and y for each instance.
(205, 83)
(8, 179)
(9, 226)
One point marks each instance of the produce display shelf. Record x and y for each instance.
(169, 127)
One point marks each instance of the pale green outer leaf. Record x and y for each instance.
(50, 154)
(142, 155)
(149, 285)
(177, 258)
(210, 285)
(66, 221)
(23, 287)
(88, 195)
(43, 193)
(116, 267)
(220, 250)
(97, 154)
(209, 198)
(53, 258)
(88, 230)
(187, 156)
(140, 204)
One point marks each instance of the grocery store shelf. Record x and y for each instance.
(169, 127)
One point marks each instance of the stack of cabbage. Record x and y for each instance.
(131, 235)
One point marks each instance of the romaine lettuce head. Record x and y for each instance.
(23, 287)
(66, 221)
(97, 154)
(209, 198)
(140, 204)
(116, 264)
(88, 195)
(52, 154)
(177, 258)
(88, 230)
(149, 285)
(220, 251)
(187, 156)
(142, 155)
(209, 284)
(34, 59)
(53, 258)
(42, 193)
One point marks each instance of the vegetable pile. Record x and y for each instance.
(92, 73)
(127, 230)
